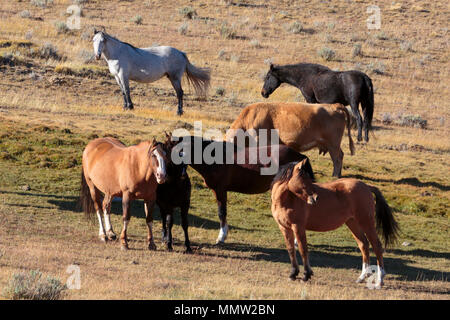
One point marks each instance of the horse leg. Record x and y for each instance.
(107, 216)
(184, 224)
(164, 225)
(125, 104)
(337, 157)
(126, 86)
(378, 249)
(95, 196)
(300, 234)
(176, 83)
(148, 208)
(221, 197)
(169, 220)
(363, 245)
(354, 104)
(366, 123)
(290, 247)
(126, 220)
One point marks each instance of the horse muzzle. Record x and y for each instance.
(98, 56)
(160, 178)
(312, 199)
(264, 93)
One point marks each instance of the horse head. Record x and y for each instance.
(271, 82)
(301, 182)
(159, 161)
(99, 42)
(174, 171)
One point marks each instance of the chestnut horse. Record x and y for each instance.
(300, 126)
(111, 168)
(298, 204)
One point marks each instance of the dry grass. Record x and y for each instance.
(41, 230)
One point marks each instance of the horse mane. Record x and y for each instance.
(118, 40)
(285, 172)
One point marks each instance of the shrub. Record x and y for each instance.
(406, 46)
(220, 91)
(86, 56)
(327, 54)
(295, 27)
(48, 50)
(137, 19)
(33, 286)
(41, 3)
(226, 31)
(183, 28)
(25, 14)
(61, 27)
(357, 50)
(255, 43)
(188, 12)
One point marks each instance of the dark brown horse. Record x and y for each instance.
(242, 177)
(115, 170)
(298, 205)
(174, 193)
(319, 84)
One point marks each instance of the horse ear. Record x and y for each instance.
(95, 31)
(271, 66)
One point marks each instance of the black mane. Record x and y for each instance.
(285, 172)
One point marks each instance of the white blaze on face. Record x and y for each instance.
(161, 169)
(98, 45)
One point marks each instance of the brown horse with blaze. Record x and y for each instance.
(298, 205)
(111, 168)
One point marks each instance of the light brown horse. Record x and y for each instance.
(111, 168)
(298, 204)
(301, 126)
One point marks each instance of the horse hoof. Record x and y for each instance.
(151, 246)
(103, 238)
(188, 251)
(179, 112)
(219, 242)
(112, 236)
(124, 247)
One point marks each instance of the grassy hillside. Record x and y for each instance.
(55, 98)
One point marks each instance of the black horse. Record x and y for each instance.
(320, 84)
(231, 175)
(175, 192)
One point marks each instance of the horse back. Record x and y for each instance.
(111, 165)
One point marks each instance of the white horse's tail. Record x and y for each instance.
(199, 78)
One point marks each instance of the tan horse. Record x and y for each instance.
(301, 126)
(111, 168)
(298, 204)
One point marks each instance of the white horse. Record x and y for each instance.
(127, 62)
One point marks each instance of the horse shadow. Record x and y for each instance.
(137, 211)
(328, 256)
(413, 181)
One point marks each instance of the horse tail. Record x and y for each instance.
(368, 102)
(199, 78)
(385, 222)
(85, 202)
(347, 115)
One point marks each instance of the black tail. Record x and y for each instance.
(367, 102)
(85, 202)
(385, 221)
